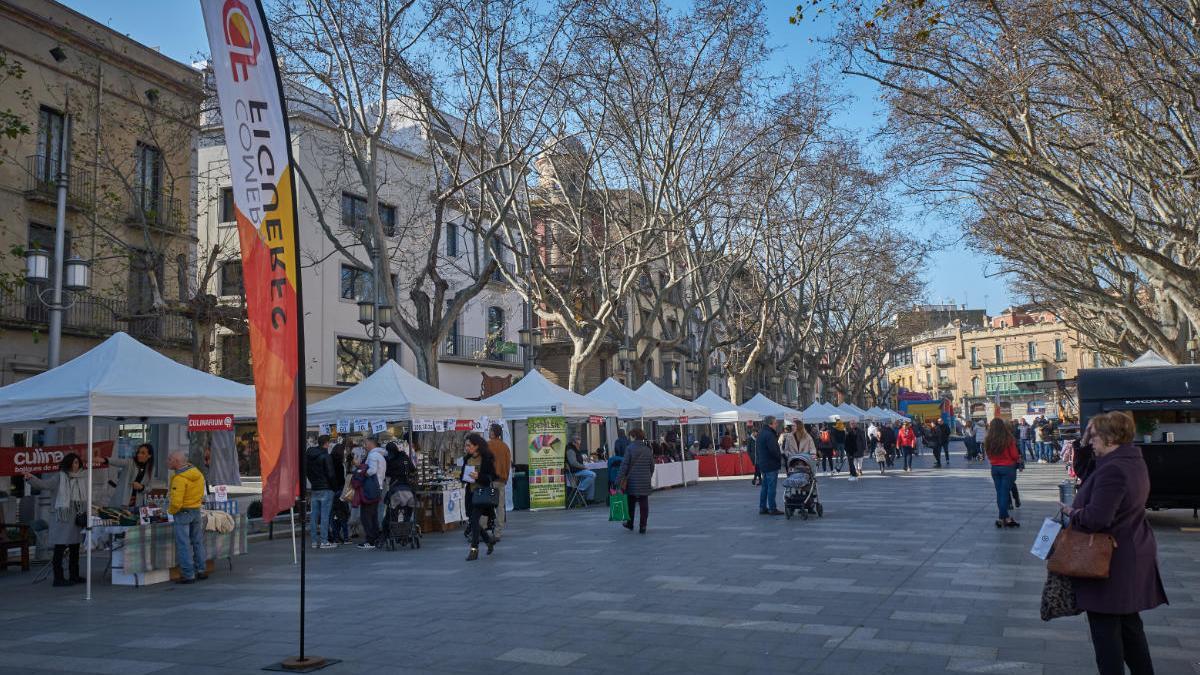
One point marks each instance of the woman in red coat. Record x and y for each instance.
(1001, 450)
(1112, 499)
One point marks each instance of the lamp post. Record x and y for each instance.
(625, 355)
(531, 339)
(375, 317)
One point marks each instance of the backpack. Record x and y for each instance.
(366, 485)
(826, 437)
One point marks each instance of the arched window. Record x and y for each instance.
(975, 386)
(495, 322)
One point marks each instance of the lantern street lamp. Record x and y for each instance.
(375, 317)
(531, 339)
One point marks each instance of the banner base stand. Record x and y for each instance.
(307, 664)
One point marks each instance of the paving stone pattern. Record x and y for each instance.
(904, 574)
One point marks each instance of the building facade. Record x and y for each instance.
(1019, 363)
(127, 118)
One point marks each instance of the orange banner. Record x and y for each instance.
(257, 138)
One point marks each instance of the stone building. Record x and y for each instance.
(128, 118)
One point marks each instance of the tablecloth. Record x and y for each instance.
(152, 547)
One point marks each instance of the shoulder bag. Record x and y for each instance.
(485, 496)
(1081, 555)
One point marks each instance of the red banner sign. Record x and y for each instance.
(464, 425)
(683, 420)
(595, 419)
(17, 461)
(210, 422)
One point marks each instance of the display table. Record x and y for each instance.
(440, 510)
(672, 474)
(145, 554)
(728, 464)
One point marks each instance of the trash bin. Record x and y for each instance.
(520, 488)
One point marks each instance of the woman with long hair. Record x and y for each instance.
(68, 489)
(136, 477)
(480, 457)
(1001, 450)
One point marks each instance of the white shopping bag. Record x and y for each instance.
(1045, 538)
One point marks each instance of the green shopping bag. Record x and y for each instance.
(618, 508)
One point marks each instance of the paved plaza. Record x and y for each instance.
(905, 574)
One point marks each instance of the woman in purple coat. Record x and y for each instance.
(1112, 499)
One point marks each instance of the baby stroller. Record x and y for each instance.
(400, 526)
(800, 494)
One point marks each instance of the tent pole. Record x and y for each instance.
(88, 541)
(292, 515)
(712, 433)
(682, 452)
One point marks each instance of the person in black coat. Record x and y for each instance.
(339, 516)
(635, 478)
(768, 461)
(318, 468)
(941, 442)
(856, 448)
(485, 475)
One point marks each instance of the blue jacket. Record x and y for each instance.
(766, 450)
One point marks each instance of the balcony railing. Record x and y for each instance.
(483, 350)
(42, 182)
(94, 316)
(946, 383)
(160, 211)
(945, 360)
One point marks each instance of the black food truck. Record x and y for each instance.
(1165, 403)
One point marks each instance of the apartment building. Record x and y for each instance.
(480, 356)
(127, 116)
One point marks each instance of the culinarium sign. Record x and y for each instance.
(44, 459)
(250, 96)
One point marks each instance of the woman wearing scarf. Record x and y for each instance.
(136, 478)
(69, 496)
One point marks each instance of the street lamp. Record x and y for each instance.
(531, 339)
(375, 318)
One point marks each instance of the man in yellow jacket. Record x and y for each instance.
(187, 493)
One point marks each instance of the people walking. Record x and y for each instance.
(856, 448)
(1001, 450)
(339, 515)
(907, 440)
(825, 448)
(634, 479)
(187, 494)
(484, 477)
(319, 470)
(787, 441)
(503, 458)
(941, 439)
(1113, 500)
(804, 441)
(768, 462)
(68, 494)
(887, 436)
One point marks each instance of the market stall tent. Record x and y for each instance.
(851, 413)
(629, 403)
(678, 407)
(396, 395)
(535, 396)
(766, 406)
(121, 377)
(726, 411)
(818, 412)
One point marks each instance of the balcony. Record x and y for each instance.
(482, 350)
(158, 211)
(945, 361)
(41, 183)
(946, 383)
(93, 316)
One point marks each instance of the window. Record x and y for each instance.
(49, 144)
(354, 215)
(231, 278)
(452, 337)
(974, 357)
(1060, 352)
(674, 374)
(181, 272)
(140, 292)
(354, 359)
(149, 178)
(1031, 347)
(999, 354)
(975, 386)
(941, 354)
(451, 240)
(227, 213)
(356, 283)
(1097, 361)
(235, 358)
(495, 323)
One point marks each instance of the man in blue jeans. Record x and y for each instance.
(318, 468)
(768, 461)
(187, 493)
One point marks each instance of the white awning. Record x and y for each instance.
(535, 396)
(725, 411)
(393, 394)
(678, 407)
(630, 404)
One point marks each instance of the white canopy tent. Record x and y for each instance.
(849, 413)
(819, 412)
(535, 396)
(862, 414)
(676, 406)
(726, 411)
(766, 406)
(877, 414)
(629, 403)
(121, 377)
(394, 394)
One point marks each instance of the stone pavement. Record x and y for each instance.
(905, 574)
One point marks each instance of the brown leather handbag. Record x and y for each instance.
(1081, 555)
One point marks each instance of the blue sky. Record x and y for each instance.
(955, 274)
